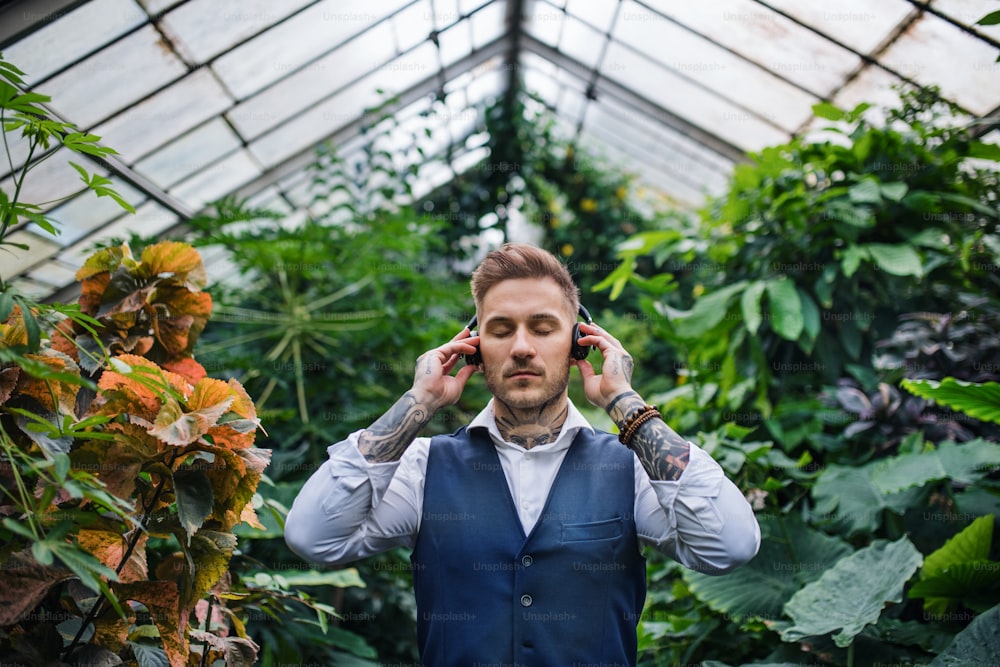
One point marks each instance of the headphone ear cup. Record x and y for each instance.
(578, 351)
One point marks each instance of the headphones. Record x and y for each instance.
(576, 351)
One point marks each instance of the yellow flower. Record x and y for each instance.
(566, 250)
(588, 205)
(621, 192)
(698, 289)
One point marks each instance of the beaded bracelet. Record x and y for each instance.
(632, 424)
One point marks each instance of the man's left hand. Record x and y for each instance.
(616, 371)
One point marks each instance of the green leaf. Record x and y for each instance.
(851, 258)
(963, 463)
(853, 592)
(341, 578)
(149, 656)
(865, 192)
(791, 555)
(972, 543)
(194, 499)
(979, 400)
(750, 305)
(993, 18)
(896, 258)
(894, 191)
(849, 499)
(786, 308)
(983, 150)
(976, 645)
(828, 111)
(707, 312)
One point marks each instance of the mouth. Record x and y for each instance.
(522, 375)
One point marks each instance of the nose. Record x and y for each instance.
(522, 346)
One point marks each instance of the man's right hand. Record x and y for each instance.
(433, 383)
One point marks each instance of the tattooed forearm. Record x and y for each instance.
(662, 452)
(392, 433)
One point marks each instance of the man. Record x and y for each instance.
(526, 526)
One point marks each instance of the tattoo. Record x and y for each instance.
(392, 433)
(663, 453)
(533, 428)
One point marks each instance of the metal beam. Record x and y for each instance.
(20, 18)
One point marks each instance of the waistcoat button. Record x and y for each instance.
(527, 561)
(526, 600)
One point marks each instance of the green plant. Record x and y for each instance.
(123, 467)
(830, 273)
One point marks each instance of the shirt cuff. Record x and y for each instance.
(350, 469)
(703, 477)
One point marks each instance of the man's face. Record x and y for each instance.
(525, 327)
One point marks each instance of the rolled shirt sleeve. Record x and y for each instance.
(701, 520)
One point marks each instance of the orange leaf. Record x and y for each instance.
(174, 258)
(163, 602)
(92, 292)
(178, 428)
(110, 547)
(186, 367)
(45, 390)
(249, 517)
(209, 392)
(106, 259)
(8, 380)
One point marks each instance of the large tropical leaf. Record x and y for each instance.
(976, 646)
(791, 555)
(853, 592)
(965, 463)
(960, 571)
(979, 400)
(850, 500)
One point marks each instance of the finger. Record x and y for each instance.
(586, 369)
(464, 373)
(464, 333)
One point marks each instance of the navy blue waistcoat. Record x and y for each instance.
(570, 593)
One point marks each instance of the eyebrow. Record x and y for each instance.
(535, 317)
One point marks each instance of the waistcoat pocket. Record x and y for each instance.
(607, 529)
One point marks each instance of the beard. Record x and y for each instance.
(537, 392)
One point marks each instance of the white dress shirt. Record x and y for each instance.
(350, 508)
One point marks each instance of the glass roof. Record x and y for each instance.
(209, 98)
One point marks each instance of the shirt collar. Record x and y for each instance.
(574, 422)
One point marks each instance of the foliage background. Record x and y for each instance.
(795, 327)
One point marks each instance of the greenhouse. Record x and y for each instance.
(252, 414)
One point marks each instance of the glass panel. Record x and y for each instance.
(157, 6)
(488, 24)
(413, 25)
(170, 112)
(873, 85)
(597, 14)
(312, 125)
(39, 249)
(218, 180)
(54, 180)
(290, 45)
(701, 107)
(31, 288)
(455, 43)
(581, 42)
(445, 13)
(968, 75)
(72, 36)
(702, 63)
(54, 274)
(123, 73)
(85, 213)
(311, 84)
(769, 39)
(544, 22)
(860, 24)
(150, 219)
(202, 29)
(967, 12)
(189, 153)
